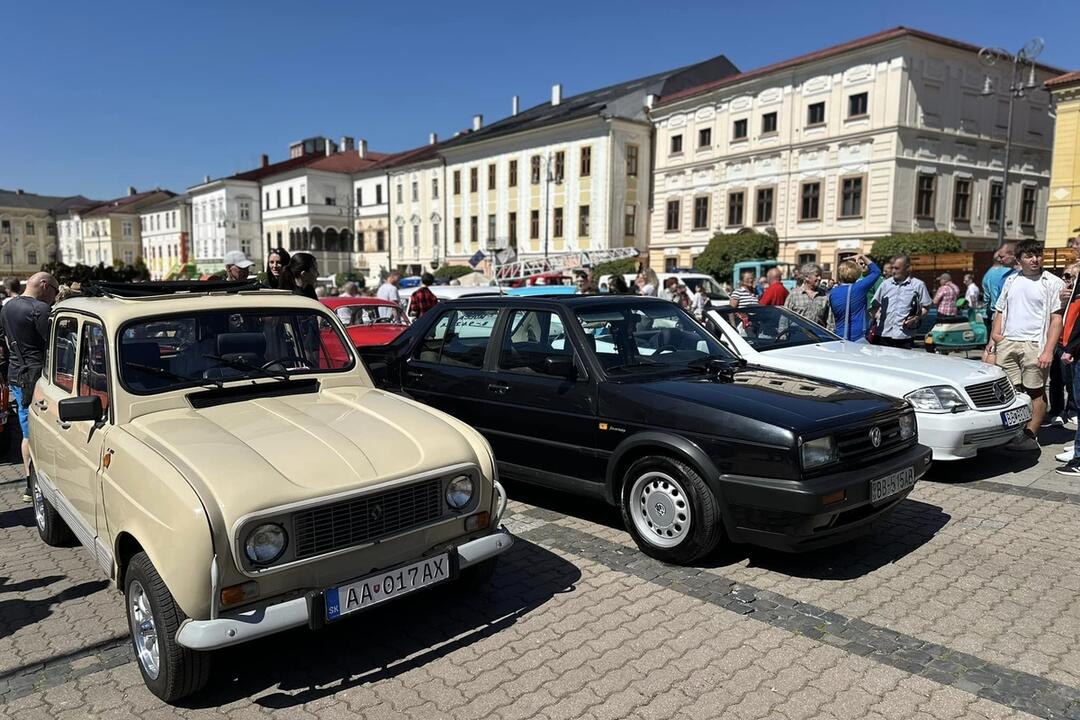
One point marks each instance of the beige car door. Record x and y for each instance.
(57, 383)
(86, 438)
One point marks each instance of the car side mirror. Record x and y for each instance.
(560, 366)
(84, 407)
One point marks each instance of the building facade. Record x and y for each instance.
(108, 232)
(166, 236)
(1063, 209)
(416, 210)
(225, 216)
(29, 234)
(886, 134)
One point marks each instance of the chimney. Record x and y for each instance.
(346, 143)
(432, 139)
(361, 148)
(20, 191)
(477, 122)
(131, 190)
(650, 101)
(514, 105)
(556, 94)
(329, 148)
(205, 179)
(264, 160)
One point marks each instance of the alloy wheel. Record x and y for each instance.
(660, 509)
(143, 630)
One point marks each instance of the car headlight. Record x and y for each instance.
(459, 492)
(939, 398)
(815, 453)
(907, 426)
(265, 543)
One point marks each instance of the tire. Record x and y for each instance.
(675, 517)
(51, 527)
(175, 671)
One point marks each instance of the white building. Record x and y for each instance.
(224, 217)
(885, 134)
(107, 232)
(166, 236)
(416, 182)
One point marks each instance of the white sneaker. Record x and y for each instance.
(1065, 456)
(1057, 421)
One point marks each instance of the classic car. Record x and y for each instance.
(223, 455)
(630, 400)
(961, 405)
(368, 320)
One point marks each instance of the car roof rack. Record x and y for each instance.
(167, 287)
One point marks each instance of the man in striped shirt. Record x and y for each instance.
(945, 297)
(744, 295)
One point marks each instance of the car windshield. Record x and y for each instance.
(712, 288)
(646, 337)
(767, 327)
(370, 315)
(220, 346)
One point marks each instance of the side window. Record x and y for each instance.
(65, 343)
(432, 344)
(531, 337)
(93, 364)
(464, 340)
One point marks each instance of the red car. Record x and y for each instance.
(369, 321)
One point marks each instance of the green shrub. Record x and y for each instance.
(922, 243)
(451, 272)
(616, 267)
(724, 251)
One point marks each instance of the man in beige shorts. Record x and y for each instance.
(1027, 326)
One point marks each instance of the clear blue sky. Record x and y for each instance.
(101, 95)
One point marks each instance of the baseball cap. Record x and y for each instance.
(237, 258)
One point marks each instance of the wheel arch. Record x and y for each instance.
(643, 444)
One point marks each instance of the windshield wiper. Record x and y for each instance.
(240, 364)
(162, 372)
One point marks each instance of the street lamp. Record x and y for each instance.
(1023, 63)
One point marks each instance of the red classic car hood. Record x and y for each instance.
(369, 335)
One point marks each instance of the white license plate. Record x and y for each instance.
(1016, 416)
(379, 588)
(897, 482)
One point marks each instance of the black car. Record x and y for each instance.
(629, 399)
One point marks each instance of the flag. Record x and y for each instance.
(475, 259)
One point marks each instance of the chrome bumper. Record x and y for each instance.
(235, 628)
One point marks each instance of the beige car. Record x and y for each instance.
(225, 458)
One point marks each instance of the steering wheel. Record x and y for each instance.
(666, 348)
(301, 363)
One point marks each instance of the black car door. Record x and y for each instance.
(446, 366)
(541, 401)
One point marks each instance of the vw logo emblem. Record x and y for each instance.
(661, 510)
(875, 437)
(999, 393)
(375, 513)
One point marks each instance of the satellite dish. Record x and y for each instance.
(1033, 48)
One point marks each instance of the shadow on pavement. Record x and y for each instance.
(20, 612)
(25, 585)
(584, 508)
(387, 641)
(987, 465)
(20, 517)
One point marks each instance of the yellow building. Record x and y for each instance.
(1063, 208)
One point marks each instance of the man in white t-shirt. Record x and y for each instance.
(1027, 326)
(389, 291)
(971, 294)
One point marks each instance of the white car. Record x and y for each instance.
(448, 292)
(961, 405)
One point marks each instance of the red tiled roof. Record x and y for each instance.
(348, 161)
(274, 168)
(1066, 79)
(128, 203)
(857, 44)
(417, 154)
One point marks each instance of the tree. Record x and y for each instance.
(724, 251)
(451, 272)
(922, 243)
(616, 267)
(67, 274)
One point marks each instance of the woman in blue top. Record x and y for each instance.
(847, 301)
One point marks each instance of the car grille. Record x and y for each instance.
(354, 522)
(857, 445)
(980, 436)
(990, 394)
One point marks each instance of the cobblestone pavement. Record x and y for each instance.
(964, 604)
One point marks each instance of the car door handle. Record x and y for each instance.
(41, 405)
(414, 374)
(498, 388)
(63, 425)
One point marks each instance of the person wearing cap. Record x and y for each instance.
(237, 265)
(946, 295)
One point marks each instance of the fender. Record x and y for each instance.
(685, 449)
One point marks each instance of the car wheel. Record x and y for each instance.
(51, 527)
(169, 670)
(670, 512)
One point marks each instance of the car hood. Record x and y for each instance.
(260, 453)
(889, 370)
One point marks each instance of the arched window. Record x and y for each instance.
(330, 243)
(316, 239)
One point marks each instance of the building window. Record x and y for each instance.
(768, 123)
(583, 221)
(534, 224)
(474, 180)
(534, 174)
(415, 191)
(996, 197)
(491, 230)
(245, 210)
(512, 225)
(277, 194)
(435, 187)
(474, 230)
(851, 191)
(361, 242)
(763, 213)
(804, 258)
(512, 180)
(736, 204)
(491, 176)
(630, 221)
(631, 160)
(676, 144)
(701, 212)
(558, 224)
(457, 231)
(704, 138)
(125, 228)
(857, 105)
(961, 207)
(435, 240)
(586, 161)
(560, 166)
(401, 240)
(267, 200)
(815, 114)
(303, 194)
(810, 207)
(924, 196)
(672, 216)
(738, 130)
(5, 226)
(51, 228)
(416, 240)
(31, 257)
(129, 257)
(359, 196)
(1027, 205)
(290, 197)
(457, 182)
(380, 240)
(400, 194)
(378, 195)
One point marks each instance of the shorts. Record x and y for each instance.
(1020, 361)
(24, 412)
